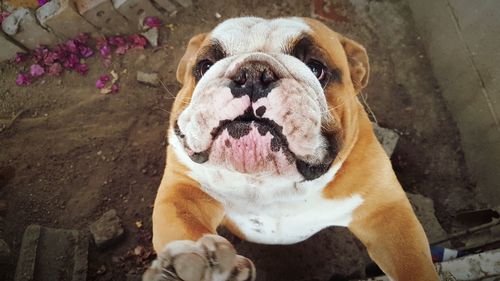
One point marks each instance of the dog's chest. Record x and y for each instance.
(290, 221)
(276, 211)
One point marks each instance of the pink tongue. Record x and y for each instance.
(250, 153)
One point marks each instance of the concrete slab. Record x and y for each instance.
(107, 229)
(102, 14)
(63, 19)
(458, 37)
(136, 10)
(8, 48)
(23, 27)
(52, 254)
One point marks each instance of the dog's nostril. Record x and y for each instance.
(241, 78)
(267, 77)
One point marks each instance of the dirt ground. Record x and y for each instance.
(74, 153)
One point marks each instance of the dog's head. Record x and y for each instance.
(269, 97)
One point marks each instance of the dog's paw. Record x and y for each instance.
(212, 258)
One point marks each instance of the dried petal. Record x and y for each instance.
(3, 15)
(40, 53)
(138, 41)
(22, 79)
(42, 2)
(117, 41)
(121, 50)
(83, 38)
(20, 57)
(115, 88)
(72, 46)
(71, 61)
(82, 68)
(55, 69)
(152, 22)
(85, 51)
(101, 82)
(36, 70)
(105, 51)
(50, 57)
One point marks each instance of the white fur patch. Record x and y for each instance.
(271, 210)
(249, 34)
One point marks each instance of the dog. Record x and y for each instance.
(267, 137)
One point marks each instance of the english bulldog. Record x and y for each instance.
(267, 137)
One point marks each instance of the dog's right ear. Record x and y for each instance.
(189, 55)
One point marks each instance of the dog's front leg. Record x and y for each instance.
(395, 240)
(184, 226)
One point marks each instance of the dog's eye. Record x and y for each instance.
(204, 66)
(317, 68)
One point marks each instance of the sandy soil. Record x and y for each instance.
(74, 153)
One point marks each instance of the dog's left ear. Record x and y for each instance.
(359, 66)
(191, 50)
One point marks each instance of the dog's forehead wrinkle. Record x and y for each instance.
(243, 35)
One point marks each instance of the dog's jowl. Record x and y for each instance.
(267, 137)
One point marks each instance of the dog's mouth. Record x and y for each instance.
(255, 146)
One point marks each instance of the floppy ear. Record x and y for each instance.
(359, 66)
(192, 48)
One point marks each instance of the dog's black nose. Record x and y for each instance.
(253, 79)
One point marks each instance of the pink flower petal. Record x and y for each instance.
(105, 51)
(137, 41)
(36, 70)
(83, 38)
(121, 50)
(20, 57)
(101, 82)
(115, 88)
(55, 69)
(152, 22)
(82, 68)
(3, 15)
(22, 79)
(117, 41)
(71, 61)
(85, 51)
(71, 46)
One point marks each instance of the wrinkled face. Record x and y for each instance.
(260, 97)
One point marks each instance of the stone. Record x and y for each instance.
(62, 17)
(23, 27)
(482, 266)
(424, 209)
(151, 79)
(152, 36)
(166, 5)
(387, 137)
(52, 254)
(136, 10)
(102, 14)
(5, 253)
(107, 230)
(185, 3)
(8, 48)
